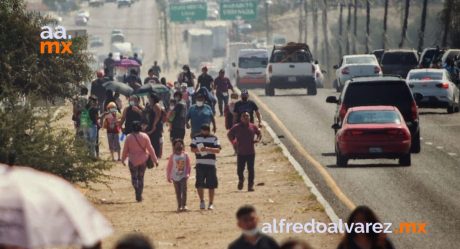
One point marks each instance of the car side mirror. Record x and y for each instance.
(336, 67)
(233, 64)
(336, 126)
(332, 99)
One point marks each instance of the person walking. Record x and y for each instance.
(109, 66)
(133, 79)
(108, 98)
(156, 69)
(252, 237)
(138, 149)
(189, 78)
(199, 114)
(206, 146)
(79, 105)
(354, 240)
(152, 119)
(177, 118)
(112, 125)
(178, 172)
(98, 90)
(89, 125)
(130, 114)
(246, 105)
(118, 101)
(204, 80)
(152, 78)
(136, 58)
(229, 109)
(222, 85)
(245, 135)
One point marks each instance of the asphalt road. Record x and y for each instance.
(139, 23)
(428, 191)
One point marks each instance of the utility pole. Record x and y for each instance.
(340, 40)
(165, 30)
(301, 21)
(421, 34)
(315, 27)
(348, 26)
(305, 8)
(404, 28)
(385, 19)
(368, 20)
(325, 33)
(448, 5)
(267, 24)
(355, 26)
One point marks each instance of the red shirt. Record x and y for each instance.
(245, 136)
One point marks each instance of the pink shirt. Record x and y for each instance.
(138, 153)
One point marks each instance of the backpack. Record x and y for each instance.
(85, 119)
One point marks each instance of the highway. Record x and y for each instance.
(426, 192)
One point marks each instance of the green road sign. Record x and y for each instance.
(244, 10)
(191, 11)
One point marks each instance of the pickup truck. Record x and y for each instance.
(291, 66)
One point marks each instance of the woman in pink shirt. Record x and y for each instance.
(138, 149)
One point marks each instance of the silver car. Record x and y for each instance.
(433, 88)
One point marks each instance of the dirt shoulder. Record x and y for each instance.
(280, 193)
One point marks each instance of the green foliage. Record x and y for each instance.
(23, 69)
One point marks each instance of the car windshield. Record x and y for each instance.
(252, 62)
(400, 58)
(285, 57)
(373, 117)
(360, 60)
(425, 76)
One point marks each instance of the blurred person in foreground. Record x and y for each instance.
(138, 149)
(252, 237)
(134, 241)
(245, 135)
(295, 244)
(371, 240)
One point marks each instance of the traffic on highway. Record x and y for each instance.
(236, 124)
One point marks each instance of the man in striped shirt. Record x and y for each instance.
(205, 146)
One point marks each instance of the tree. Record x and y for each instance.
(368, 19)
(404, 27)
(421, 34)
(446, 19)
(340, 40)
(315, 27)
(355, 25)
(348, 26)
(325, 33)
(385, 19)
(34, 135)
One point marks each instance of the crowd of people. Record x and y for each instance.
(192, 107)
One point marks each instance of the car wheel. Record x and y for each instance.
(451, 109)
(341, 160)
(415, 147)
(405, 160)
(269, 90)
(311, 90)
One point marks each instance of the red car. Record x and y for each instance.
(373, 132)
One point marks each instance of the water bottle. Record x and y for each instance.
(122, 137)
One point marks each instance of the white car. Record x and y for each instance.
(83, 13)
(355, 65)
(433, 88)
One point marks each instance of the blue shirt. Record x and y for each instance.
(199, 116)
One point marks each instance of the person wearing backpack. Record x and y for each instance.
(111, 124)
(131, 113)
(78, 105)
(89, 125)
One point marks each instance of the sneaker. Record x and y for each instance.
(185, 209)
(211, 207)
(202, 205)
(240, 185)
(179, 209)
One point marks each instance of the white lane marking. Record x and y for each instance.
(327, 207)
(428, 143)
(439, 147)
(452, 154)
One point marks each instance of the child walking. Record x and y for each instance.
(111, 123)
(177, 172)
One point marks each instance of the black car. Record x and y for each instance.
(379, 90)
(378, 54)
(399, 62)
(431, 58)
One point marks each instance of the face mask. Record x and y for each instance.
(113, 110)
(252, 232)
(132, 103)
(199, 103)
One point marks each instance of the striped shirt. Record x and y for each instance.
(202, 141)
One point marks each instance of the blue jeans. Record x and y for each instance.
(90, 136)
(221, 99)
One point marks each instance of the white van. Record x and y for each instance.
(251, 68)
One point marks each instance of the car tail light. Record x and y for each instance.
(414, 111)
(398, 132)
(342, 111)
(443, 85)
(345, 71)
(377, 70)
(270, 69)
